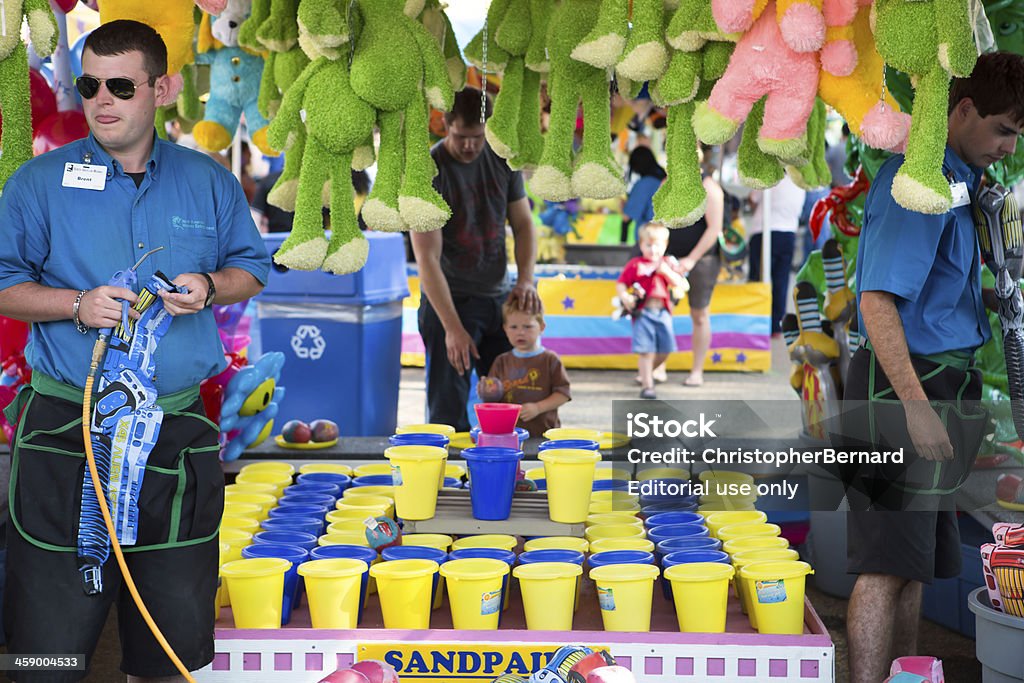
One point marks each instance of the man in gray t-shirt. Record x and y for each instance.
(463, 266)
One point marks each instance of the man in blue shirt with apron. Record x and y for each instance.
(71, 219)
(912, 385)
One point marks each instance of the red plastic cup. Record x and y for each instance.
(497, 418)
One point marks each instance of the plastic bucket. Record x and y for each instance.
(738, 545)
(429, 428)
(378, 478)
(570, 476)
(603, 545)
(475, 588)
(583, 444)
(719, 520)
(742, 559)
(298, 539)
(387, 491)
(499, 541)
(687, 557)
(674, 545)
(612, 518)
(245, 489)
(325, 499)
(682, 505)
(367, 555)
(624, 498)
(279, 480)
(580, 545)
(292, 585)
(346, 525)
(265, 501)
(244, 523)
(439, 541)
(614, 473)
(726, 505)
(241, 510)
(679, 473)
(222, 552)
(345, 537)
(612, 507)
(235, 539)
(492, 472)
(304, 510)
(673, 518)
(728, 533)
(329, 467)
(614, 531)
(412, 552)
(325, 488)
(348, 515)
(405, 588)
(497, 418)
(374, 506)
(557, 556)
(609, 485)
(620, 557)
(423, 439)
(550, 594)
(309, 525)
(257, 590)
(624, 592)
(562, 433)
(343, 481)
(416, 471)
(334, 591)
(700, 591)
(268, 466)
(523, 434)
(506, 556)
(725, 477)
(776, 591)
(663, 533)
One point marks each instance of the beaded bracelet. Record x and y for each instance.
(82, 327)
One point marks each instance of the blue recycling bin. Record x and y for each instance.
(341, 336)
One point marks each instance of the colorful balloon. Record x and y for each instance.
(59, 129)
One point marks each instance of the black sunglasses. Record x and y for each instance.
(120, 87)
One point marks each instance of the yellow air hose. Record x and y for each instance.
(98, 351)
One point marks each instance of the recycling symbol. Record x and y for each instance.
(307, 342)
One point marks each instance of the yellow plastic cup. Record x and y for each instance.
(700, 591)
(549, 594)
(474, 592)
(375, 505)
(405, 588)
(623, 497)
(776, 591)
(570, 478)
(740, 560)
(614, 531)
(738, 545)
(718, 520)
(624, 592)
(535, 473)
(439, 541)
(429, 428)
(560, 433)
(580, 545)
(606, 473)
(257, 590)
(244, 523)
(359, 491)
(332, 467)
(723, 505)
(630, 543)
(370, 469)
(499, 541)
(251, 487)
(613, 507)
(610, 518)
(454, 471)
(416, 471)
(729, 503)
(332, 591)
(279, 480)
(726, 477)
(663, 473)
(346, 537)
(728, 533)
(346, 525)
(241, 510)
(235, 539)
(269, 466)
(265, 501)
(351, 514)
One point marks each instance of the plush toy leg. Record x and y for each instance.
(422, 208)
(380, 211)
(680, 81)
(364, 156)
(531, 140)
(919, 184)
(16, 138)
(282, 195)
(597, 174)
(682, 203)
(603, 46)
(347, 250)
(683, 29)
(553, 179)
(189, 107)
(536, 51)
(717, 120)
(323, 28)
(502, 128)
(786, 113)
(513, 32)
(280, 32)
(645, 56)
(306, 246)
(757, 169)
(163, 115)
(815, 173)
(215, 132)
(257, 126)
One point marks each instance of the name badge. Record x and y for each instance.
(84, 176)
(960, 195)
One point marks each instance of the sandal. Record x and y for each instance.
(690, 382)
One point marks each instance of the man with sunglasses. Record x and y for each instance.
(69, 220)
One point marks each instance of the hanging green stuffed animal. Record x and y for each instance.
(930, 40)
(629, 36)
(16, 139)
(436, 21)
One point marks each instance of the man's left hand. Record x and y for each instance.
(525, 296)
(193, 301)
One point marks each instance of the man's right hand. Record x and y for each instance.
(460, 347)
(101, 307)
(927, 431)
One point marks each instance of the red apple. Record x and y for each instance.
(376, 671)
(296, 431)
(346, 676)
(323, 430)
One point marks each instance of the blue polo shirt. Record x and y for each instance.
(72, 238)
(931, 264)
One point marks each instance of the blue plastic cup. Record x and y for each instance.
(578, 444)
(299, 539)
(342, 481)
(610, 485)
(452, 483)
(620, 557)
(309, 525)
(355, 552)
(493, 473)
(419, 439)
(521, 432)
(373, 480)
(332, 490)
(675, 505)
(414, 552)
(660, 533)
(292, 581)
(673, 518)
(325, 499)
(674, 545)
(506, 556)
(687, 557)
